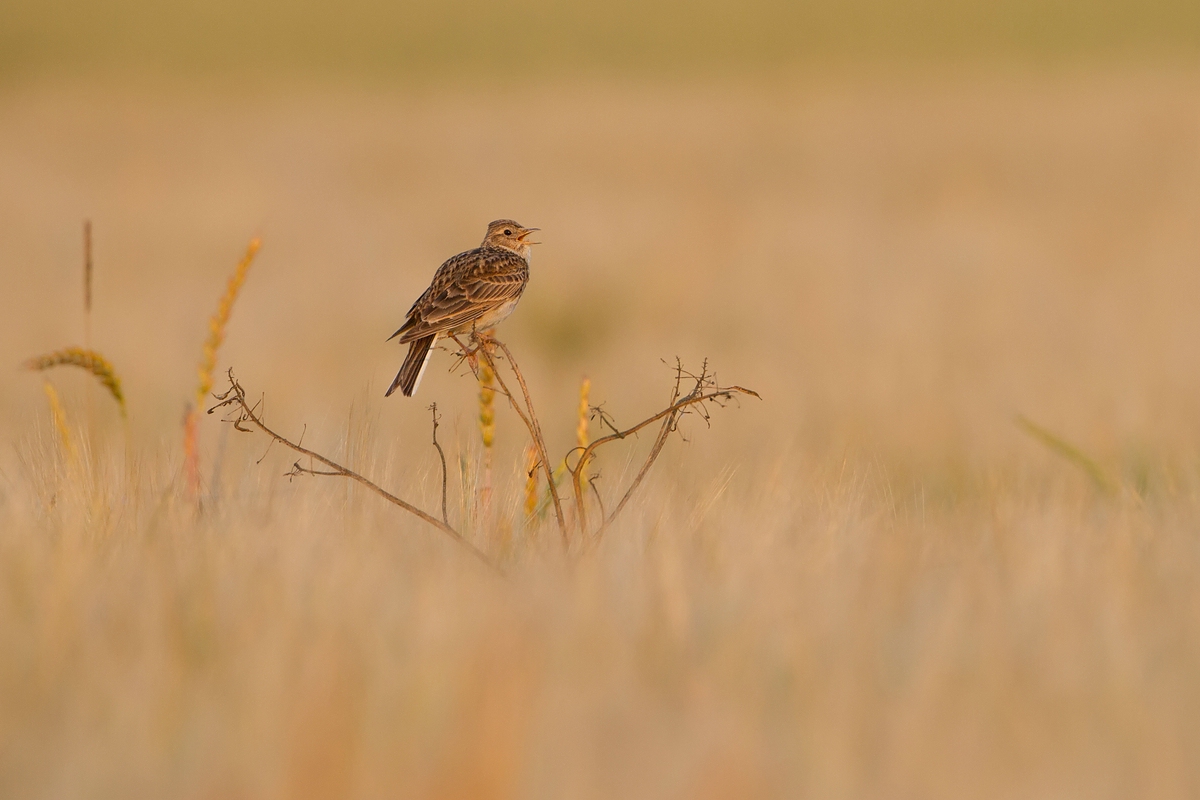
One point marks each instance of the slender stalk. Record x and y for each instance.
(442, 456)
(659, 441)
(236, 396)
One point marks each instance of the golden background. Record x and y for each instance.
(903, 224)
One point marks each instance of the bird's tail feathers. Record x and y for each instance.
(413, 368)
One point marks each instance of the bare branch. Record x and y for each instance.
(297, 471)
(606, 419)
(235, 398)
(705, 390)
(595, 491)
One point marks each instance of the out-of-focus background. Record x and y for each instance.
(904, 224)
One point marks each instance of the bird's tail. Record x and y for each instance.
(409, 376)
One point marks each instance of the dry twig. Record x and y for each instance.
(705, 391)
(442, 456)
(235, 399)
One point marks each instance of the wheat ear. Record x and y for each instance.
(87, 360)
(208, 362)
(581, 429)
(487, 428)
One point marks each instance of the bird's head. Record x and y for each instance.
(509, 235)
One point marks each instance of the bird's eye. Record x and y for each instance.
(508, 232)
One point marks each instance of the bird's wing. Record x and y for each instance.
(464, 289)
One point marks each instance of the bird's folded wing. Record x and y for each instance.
(461, 295)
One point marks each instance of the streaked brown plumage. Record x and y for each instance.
(474, 290)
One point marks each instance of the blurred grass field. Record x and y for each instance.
(468, 39)
(871, 584)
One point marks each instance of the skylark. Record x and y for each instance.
(473, 291)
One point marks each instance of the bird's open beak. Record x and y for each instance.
(526, 233)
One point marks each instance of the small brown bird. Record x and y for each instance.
(472, 291)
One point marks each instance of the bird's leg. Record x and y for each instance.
(485, 341)
(466, 354)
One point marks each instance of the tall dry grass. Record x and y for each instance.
(808, 634)
(872, 584)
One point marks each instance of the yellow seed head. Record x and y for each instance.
(581, 430)
(88, 360)
(218, 321)
(208, 363)
(487, 407)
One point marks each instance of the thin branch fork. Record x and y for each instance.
(670, 417)
(235, 397)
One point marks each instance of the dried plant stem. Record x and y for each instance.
(236, 396)
(528, 417)
(659, 441)
(442, 456)
(670, 419)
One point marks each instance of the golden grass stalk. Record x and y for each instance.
(1070, 452)
(220, 318)
(531, 481)
(208, 363)
(487, 405)
(60, 423)
(581, 429)
(487, 428)
(87, 360)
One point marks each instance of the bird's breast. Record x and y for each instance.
(496, 315)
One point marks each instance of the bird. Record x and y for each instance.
(473, 291)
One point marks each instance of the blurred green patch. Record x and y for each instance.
(1071, 453)
(567, 326)
(421, 40)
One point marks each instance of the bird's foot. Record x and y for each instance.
(467, 354)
